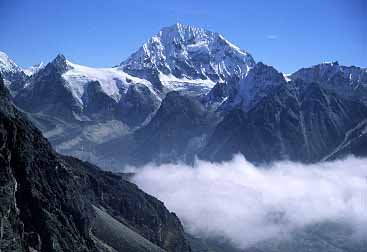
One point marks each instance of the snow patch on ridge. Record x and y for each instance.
(236, 48)
(286, 77)
(175, 83)
(112, 80)
(182, 52)
(7, 65)
(33, 69)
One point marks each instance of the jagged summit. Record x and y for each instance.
(188, 52)
(259, 83)
(60, 58)
(84, 93)
(33, 69)
(347, 81)
(185, 33)
(13, 75)
(61, 63)
(7, 65)
(106, 106)
(328, 70)
(50, 202)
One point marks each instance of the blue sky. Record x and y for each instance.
(286, 34)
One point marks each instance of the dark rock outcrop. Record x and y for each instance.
(297, 122)
(50, 202)
(47, 94)
(176, 132)
(355, 143)
(136, 105)
(346, 81)
(187, 51)
(97, 104)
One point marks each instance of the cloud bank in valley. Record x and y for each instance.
(247, 204)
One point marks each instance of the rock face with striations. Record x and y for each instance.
(177, 131)
(48, 93)
(297, 122)
(14, 77)
(116, 116)
(260, 82)
(182, 56)
(79, 94)
(347, 81)
(53, 203)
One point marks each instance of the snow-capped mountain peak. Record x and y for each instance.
(347, 81)
(61, 63)
(33, 69)
(113, 81)
(183, 32)
(13, 75)
(81, 93)
(189, 53)
(259, 83)
(328, 70)
(7, 65)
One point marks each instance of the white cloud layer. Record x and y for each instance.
(247, 204)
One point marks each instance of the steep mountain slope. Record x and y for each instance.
(176, 133)
(355, 143)
(220, 93)
(81, 93)
(260, 82)
(14, 77)
(182, 57)
(78, 108)
(33, 69)
(7, 65)
(349, 82)
(48, 93)
(297, 122)
(102, 114)
(179, 57)
(53, 203)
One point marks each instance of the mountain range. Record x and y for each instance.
(51, 202)
(186, 94)
(189, 93)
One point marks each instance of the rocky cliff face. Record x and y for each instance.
(178, 58)
(177, 131)
(354, 142)
(14, 77)
(114, 116)
(182, 52)
(349, 82)
(48, 93)
(297, 122)
(260, 82)
(55, 203)
(77, 94)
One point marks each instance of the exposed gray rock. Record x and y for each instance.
(48, 202)
(188, 52)
(301, 123)
(347, 81)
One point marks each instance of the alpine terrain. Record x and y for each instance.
(192, 93)
(50, 202)
(186, 94)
